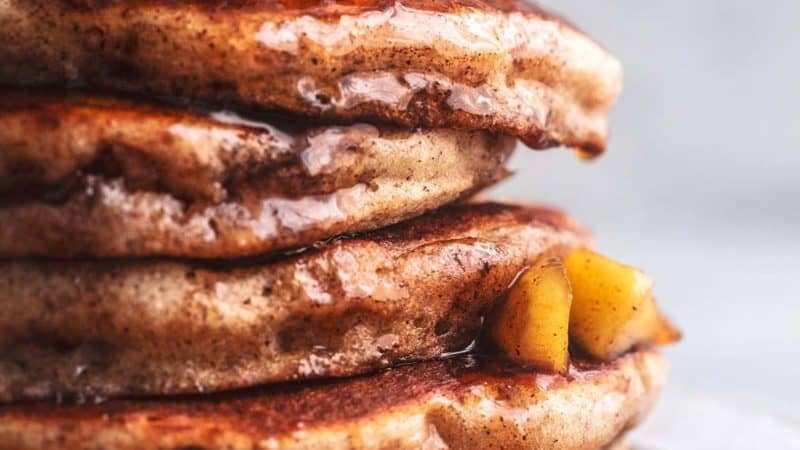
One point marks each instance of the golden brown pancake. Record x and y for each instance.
(107, 177)
(461, 403)
(495, 65)
(408, 292)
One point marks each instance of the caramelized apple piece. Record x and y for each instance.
(613, 309)
(531, 326)
(653, 326)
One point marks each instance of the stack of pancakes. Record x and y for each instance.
(222, 221)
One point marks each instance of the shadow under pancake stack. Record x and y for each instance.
(249, 224)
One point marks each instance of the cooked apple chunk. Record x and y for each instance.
(531, 326)
(652, 326)
(613, 308)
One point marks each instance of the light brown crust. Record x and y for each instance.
(497, 65)
(455, 404)
(411, 291)
(107, 177)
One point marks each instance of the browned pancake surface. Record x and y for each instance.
(95, 176)
(501, 66)
(459, 403)
(322, 8)
(412, 291)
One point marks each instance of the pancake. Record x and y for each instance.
(125, 178)
(497, 65)
(461, 403)
(409, 292)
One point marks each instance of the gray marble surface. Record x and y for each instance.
(701, 187)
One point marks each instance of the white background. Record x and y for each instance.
(701, 187)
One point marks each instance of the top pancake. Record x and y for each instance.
(500, 66)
